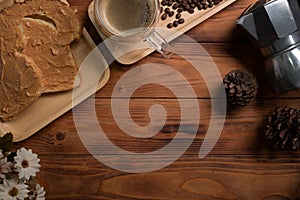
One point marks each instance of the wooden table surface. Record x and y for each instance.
(240, 166)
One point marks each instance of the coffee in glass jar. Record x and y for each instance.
(127, 17)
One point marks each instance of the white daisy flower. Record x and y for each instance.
(27, 163)
(38, 194)
(5, 167)
(11, 190)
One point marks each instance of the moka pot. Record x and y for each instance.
(274, 28)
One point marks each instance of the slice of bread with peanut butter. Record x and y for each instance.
(21, 84)
(36, 37)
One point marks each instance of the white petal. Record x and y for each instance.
(27, 175)
(21, 174)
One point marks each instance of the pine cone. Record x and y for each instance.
(283, 128)
(240, 86)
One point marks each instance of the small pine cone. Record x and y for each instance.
(283, 128)
(240, 86)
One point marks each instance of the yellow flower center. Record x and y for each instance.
(25, 164)
(13, 192)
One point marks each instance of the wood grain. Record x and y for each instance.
(241, 165)
(240, 158)
(226, 56)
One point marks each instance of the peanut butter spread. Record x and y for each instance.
(35, 52)
(21, 83)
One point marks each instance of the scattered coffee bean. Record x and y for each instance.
(164, 16)
(186, 8)
(170, 25)
(181, 21)
(175, 6)
(200, 6)
(171, 13)
(180, 10)
(191, 11)
(216, 2)
(180, 6)
(175, 23)
(167, 10)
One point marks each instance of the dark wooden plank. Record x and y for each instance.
(226, 56)
(242, 133)
(82, 177)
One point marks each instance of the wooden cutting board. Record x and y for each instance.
(51, 106)
(191, 20)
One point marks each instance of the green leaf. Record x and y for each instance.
(11, 156)
(6, 142)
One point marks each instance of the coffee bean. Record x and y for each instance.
(203, 2)
(175, 23)
(167, 10)
(181, 21)
(175, 6)
(216, 2)
(180, 6)
(170, 25)
(171, 13)
(169, 3)
(180, 10)
(191, 11)
(186, 8)
(164, 16)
